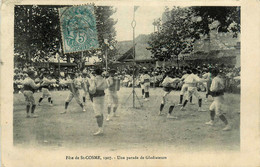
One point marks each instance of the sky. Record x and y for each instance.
(144, 15)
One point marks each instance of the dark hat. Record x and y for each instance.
(194, 70)
(215, 72)
(168, 72)
(84, 73)
(30, 73)
(112, 71)
(98, 71)
(16, 70)
(189, 71)
(71, 74)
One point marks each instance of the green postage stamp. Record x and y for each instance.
(78, 28)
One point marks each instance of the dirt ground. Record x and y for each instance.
(135, 128)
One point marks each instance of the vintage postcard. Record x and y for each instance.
(130, 83)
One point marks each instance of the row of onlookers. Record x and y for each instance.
(231, 76)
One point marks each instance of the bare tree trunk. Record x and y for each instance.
(207, 44)
(68, 58)
(178, 61)
(29, 55)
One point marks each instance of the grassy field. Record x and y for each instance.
(137, 128)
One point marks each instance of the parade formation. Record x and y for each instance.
(176, 91)
(94, 85)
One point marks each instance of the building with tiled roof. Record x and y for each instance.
(222, 48)
(125, 50)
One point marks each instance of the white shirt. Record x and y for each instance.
(207, 76)
(29, 82)
(145, 78)
(192, 79)
(217, 84)
(47, 81)
(101, 83)
(168, 81)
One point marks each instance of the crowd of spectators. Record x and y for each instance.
(230, 74)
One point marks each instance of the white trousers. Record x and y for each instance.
(217, 105)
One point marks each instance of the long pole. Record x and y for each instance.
(61, 52)
(106, 57)
(133, 26)
(81, 60)
(59, 63)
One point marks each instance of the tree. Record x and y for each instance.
(157, 24)
(106, 30)
(37, 32)
(224, 19)
(181, 27)
(175, 35)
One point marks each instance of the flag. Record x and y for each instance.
(135, 8)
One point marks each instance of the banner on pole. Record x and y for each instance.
(78, 28)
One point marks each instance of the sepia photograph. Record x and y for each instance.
(120, 82)
(101, 76)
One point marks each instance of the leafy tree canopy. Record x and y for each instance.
(181, 27)
(37, 33)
